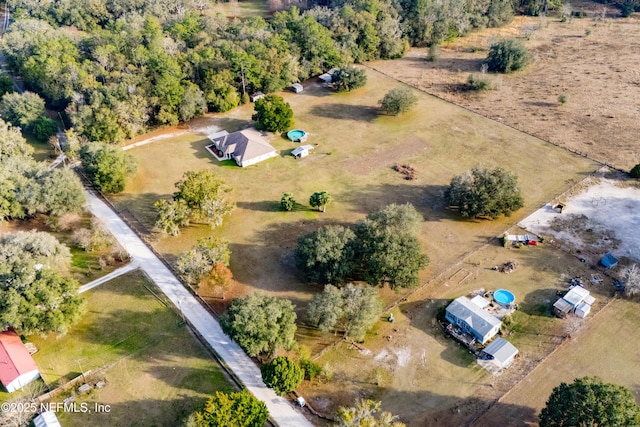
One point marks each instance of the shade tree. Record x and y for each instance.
(107, 167)
(353, 309)
(36, 296)
(200, 197)
(260, 324)
(232, 409)
(388, 248)
(349, 78)
(483, 192)
(272, 114)
(588, 401)
(197, 263)
(327, 254)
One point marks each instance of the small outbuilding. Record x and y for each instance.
(608, 260)
(17, 367)
(302, 151)
(501, 352)
(255, 96)
(47, 419)
(578, 300)
(297, 87)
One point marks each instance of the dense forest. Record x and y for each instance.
(114, 68)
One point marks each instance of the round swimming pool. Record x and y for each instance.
(297, 135)
(503, 297)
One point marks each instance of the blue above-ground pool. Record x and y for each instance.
(297, 135)
(503, 297)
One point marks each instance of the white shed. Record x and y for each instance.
(501, 352)
(302, 151)
(297, 87)
(46, 419)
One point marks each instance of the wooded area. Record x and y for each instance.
(114, 68)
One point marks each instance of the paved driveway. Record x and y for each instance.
(282, 412)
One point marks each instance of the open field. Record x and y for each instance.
(355, 149)
(607, 347)
(239, 9)
(156, 371)
(594, 62)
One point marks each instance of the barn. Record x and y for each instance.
(17, 367)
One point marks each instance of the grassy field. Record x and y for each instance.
(589, 61)
(355, 149)
(607, 347)
(239, 9)
(156, 372)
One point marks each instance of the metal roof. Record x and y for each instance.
(478, 319)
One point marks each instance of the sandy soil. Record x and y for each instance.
(594, 62)
(601, 216)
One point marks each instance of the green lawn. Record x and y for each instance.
(355, 148)
(156, 372)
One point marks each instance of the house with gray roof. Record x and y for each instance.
(473, 319)
(247, 147)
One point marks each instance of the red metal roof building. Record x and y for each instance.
(17, 367)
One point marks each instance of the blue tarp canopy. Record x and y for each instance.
(608, 260)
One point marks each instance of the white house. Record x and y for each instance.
(17, 367)
(247, 147)
(302, 151)
(500, 352)
(473, 319)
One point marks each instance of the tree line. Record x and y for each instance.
(116, 68)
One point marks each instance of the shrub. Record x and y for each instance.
(398, 100)
(434, 53)
(635, 171)
(562, 99)
(507, 56)
(311, 369)
(479, 82)
(282, 374)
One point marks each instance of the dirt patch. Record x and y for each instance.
(600, 217)
(594, 63)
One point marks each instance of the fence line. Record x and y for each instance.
(435, 95)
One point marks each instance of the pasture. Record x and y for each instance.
(355, 150)
(156, 372)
